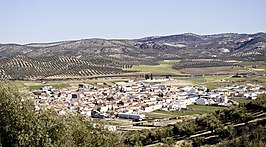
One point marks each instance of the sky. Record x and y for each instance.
(28, 21)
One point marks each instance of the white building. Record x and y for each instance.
(204, 102)
(250, 95)
(177, 105)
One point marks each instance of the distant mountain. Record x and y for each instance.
(182, 38)
(119, 53)
(230, 45)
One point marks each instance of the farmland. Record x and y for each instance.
(259, 65)
(222, 77)
(28, 86)
(214, 76)
(193, 110)
(214, 70)
(25, 68)
(161, 68)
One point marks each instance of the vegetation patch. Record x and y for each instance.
(167, 114)
(161, 68)
(227, 70)
(249, 80)
(194, 79)
(21, 125)
(216, 78)
(22, 67)
(239, 123)
(169, 61)
(214, 85)
(206, 108)
(193, 109)
(200, 64)
(241, 100)
(250, 64)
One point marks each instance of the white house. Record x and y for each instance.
(204, 102)
(177, 105)
(187, 88)
(191, 100)
(222, 99)
(250, 95)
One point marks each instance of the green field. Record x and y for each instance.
(215, 78)
(213, 82)
(206, 108)
(210, 82)
(27, 86)
(165, 67)
(214, 85)
(162, 68)
(193, 80)
(261, 65)
(34, 85)
(241, 100)
(249, 80)
(195, 109)
(169, 61)
(167, 114)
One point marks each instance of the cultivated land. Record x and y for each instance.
(211, 82)
(35, 85)
(160, 70)
(115, 65)
(186, 53)
(163, 67)
(219, 77)
(214, 70)
(254, 65)
(214, 76)
(193, 110)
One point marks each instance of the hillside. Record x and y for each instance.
(101, 55)
(230, 45)
(22, 67)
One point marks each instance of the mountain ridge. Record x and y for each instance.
(107, 56)
(186, 45)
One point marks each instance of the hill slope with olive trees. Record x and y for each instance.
(22, 67)
(102, 55)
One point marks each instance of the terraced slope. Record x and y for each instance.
(22, 67)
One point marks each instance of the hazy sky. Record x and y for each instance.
(25, 21)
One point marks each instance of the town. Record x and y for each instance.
(134, 98)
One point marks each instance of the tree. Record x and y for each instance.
(146, 76)
(168, 142)
(198, 141)
(186, 128)
(209, 122)
(257, 105)
(20, 125)
(16, 115)
(224, 132)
